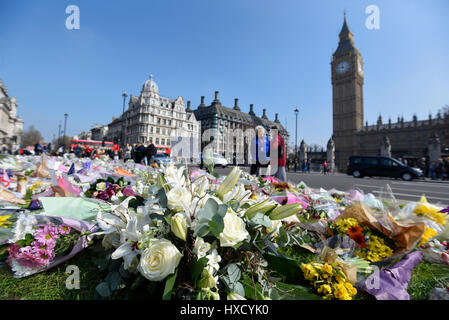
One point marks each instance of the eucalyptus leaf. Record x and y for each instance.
(262, 219)
(115, 281)
(234, 272)
(103, 290)
(162, 197)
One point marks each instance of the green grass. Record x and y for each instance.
(50, 285)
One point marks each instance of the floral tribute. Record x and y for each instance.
(180, 233)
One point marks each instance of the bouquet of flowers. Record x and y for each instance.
(204, 242)
(109, 189)
(329, 280)
(373, 246)
(41, 242)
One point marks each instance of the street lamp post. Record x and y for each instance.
(122, 142)
(59, 134)
(296, 138)
(65, 126)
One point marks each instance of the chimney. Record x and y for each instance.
(236, 104)
(202, 102)
(264, 115)
(216, 101)
(251, 111)
(188, 106)
(276, 117)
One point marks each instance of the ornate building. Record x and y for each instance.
(229, 128)
(11, 125)
(152, 117)
(408, 139)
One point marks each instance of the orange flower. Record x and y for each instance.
(356, 234)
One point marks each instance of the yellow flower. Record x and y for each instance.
(376, 250)
(344, 224)
(327, 268)
(424, 208)
(428, 234)
(325, 289)
(309, 271)
(4, 223)
(350, 288)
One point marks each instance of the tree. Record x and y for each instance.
(60, 142)
(31, 136)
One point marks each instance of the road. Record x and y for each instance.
(436, 192)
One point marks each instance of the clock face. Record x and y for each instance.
(342, 67)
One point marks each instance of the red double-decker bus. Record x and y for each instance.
(92, 144)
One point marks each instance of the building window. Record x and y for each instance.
(158, 130)
(157, 140)
(163, 141)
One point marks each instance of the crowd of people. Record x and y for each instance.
(436, 170)
(138, 152)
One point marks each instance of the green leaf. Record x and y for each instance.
(209, 210)
(234, 272)
(115, 281)
(110, 180)
(169, 284)
(196, 268)
(103, 290)
(202, 229)
(239, 289)
(285, 291)
(216, 225)
(251, 291)
(101, 263)
(162, 197)
(286, 267)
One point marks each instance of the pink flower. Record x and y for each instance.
(64, 230)
(47, 234)
(270, 179)
(128, 191)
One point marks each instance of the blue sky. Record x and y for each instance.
(274, 54)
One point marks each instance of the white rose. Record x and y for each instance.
(275, 226)
(159, 260)
(176, 197)
(234, 230)
(101, 186)
(201, 248)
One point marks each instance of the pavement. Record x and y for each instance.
(436, 191)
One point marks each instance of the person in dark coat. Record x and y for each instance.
(150, 151)
(139, 153)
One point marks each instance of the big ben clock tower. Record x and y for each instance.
(347, 96)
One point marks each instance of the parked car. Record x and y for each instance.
(218, 160)
(360, 166)
(161, 158)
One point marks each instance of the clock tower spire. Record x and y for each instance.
(347, 95)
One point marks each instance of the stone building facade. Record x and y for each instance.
(150, 117)
(409, 139)
(11, 125)
(231, 129)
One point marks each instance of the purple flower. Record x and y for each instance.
(128, 191)
(445, 210)
(103, 195)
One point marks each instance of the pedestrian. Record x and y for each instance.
(115, 152)
(432, 169)
(60, 151)
(139, 153)
(128, 150)
(325, 165)
(308, 165)
(260, 151)
(150, 151)
(278, 145)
